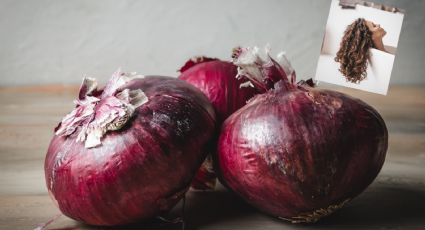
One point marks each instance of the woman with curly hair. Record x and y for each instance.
(353, 54)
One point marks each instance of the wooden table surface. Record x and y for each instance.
(396, 200)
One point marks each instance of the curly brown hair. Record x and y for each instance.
(353, 53)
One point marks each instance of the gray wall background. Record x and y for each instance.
(57, 41)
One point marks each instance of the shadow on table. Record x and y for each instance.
(202, 208)
(381, 206)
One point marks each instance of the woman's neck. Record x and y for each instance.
(377, 42)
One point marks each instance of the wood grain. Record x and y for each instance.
(396, 200)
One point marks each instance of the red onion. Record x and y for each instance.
(297, 152)
(128, 152)
(219, 82)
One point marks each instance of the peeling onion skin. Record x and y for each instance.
(299, 154)
(141, 170)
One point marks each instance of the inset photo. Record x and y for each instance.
(359, 45)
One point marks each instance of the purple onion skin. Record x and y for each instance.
(217, 80)
(141, 170)
(301, 154)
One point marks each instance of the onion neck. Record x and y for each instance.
(261, 71)
(100, 111)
